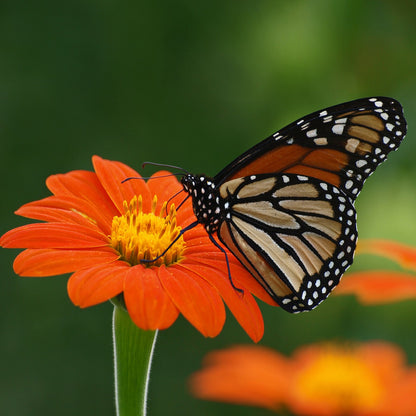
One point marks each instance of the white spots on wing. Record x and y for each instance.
(341, 120)
(349, 184)
(351, 145)
(311, 133)
(338, 128)
(321, 141)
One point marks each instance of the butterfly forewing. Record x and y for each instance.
(341, 145)
(295, 234)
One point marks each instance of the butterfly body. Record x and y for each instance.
(285, 208)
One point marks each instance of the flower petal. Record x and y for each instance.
(148, 304)
(196, 299)
(403, 402)
(403, 254)
(53, 235)
(186, 216)
(97, 284)
(255, 376)
(112, 174)
(84, 185)
(242, 305)
(74, 183)
(241, 277)
(69, 209)
(47, 262)
(378, 286)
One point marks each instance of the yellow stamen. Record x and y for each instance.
(342, 380)
(141, 236)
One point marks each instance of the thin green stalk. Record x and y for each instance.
(133, 351)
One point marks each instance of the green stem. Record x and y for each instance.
(133, 351)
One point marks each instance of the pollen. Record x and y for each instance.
(147, 238)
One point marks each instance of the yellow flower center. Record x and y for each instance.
(139, 236)
(341, 380)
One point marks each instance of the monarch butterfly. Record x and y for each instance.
(285, 208)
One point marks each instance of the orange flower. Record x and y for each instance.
(380, 286)
(319, 380)
(100, 229)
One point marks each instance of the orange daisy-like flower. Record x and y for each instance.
(329, 379)
(382, 286)
(101, 229)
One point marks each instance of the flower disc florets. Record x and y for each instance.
(140, 237)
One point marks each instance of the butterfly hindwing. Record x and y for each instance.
(295, 234)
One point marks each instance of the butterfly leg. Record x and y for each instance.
(227, 262)
(183, 231)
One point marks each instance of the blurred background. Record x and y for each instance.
(194, 84)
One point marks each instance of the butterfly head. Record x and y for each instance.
(205, 200)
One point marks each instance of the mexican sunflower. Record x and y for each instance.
(383, 286)
(324, 379)
(101, 229)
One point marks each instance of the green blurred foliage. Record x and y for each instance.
(194, 84)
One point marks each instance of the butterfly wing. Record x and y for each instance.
(290, 217)
(341, 145)
(285, 208)
(295, 234)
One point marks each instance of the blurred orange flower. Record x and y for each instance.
(100, 229)
(328, 379)
(381, 286)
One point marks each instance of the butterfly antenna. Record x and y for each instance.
(164, 165)
(146, 178)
